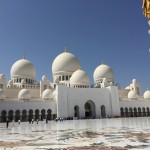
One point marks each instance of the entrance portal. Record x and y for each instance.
(76, 111)
(89, 109)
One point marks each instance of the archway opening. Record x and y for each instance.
(130, 112)
(37, 114)
(17, 115)
(10, 115)
(3, 116)
(126, 112)
(148, 112)
(43, 115)
(76, 111)
(139, 112)
(30, 117)
(103, 112)
(122, 112)
(24, 115)
(49, 114)
(89, 109)
(144, 112)
(135, 112)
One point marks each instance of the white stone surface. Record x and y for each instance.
(119, 132)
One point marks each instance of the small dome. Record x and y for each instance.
(103, 71)
(23, 68)
(132, 94)
(24, 94)
(47, 94)
(2, 76)
(44, 78)
(2, 94)
(147, 94)
(80, 77)
(134, 81)
(10, 82)
(65, 62)
(128, 88)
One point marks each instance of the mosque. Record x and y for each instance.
(69, 95)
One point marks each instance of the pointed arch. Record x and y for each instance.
(89, 109)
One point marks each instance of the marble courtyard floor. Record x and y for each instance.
(96, 134)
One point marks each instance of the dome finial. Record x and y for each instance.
(102, 62)
(24, 57)
(65, 48)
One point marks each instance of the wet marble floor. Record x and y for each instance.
(96, 134)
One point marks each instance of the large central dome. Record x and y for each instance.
(23, 68)
(65, 62)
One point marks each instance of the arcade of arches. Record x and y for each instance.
(135, 112)
(25, 115)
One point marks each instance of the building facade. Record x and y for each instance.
(69, 95)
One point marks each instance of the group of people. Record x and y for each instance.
(13, 123)
(31, 121)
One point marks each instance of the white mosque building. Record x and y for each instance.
(69, 95)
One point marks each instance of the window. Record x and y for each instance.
(59, 78)
(66, 77)
(62, 78)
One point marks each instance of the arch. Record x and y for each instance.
(17, 115)
(139, 112)
(122, 112)
(76, 111)
(49, 114)
(10, 115)
(131, 112)
(126, 112)
(144, 112)
(148, 112)
(135, 112)
(43, 115)
(103, 112)
(89, 109)
(63, 78)
(37, 113)
(3, 116)
(30, 117)
(24, 115)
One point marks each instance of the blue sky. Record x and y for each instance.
(114, 31)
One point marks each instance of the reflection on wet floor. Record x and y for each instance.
(103, 134)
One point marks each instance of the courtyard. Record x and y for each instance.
(104, 134)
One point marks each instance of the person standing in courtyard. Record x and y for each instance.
(32, 121)
(7, 123)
